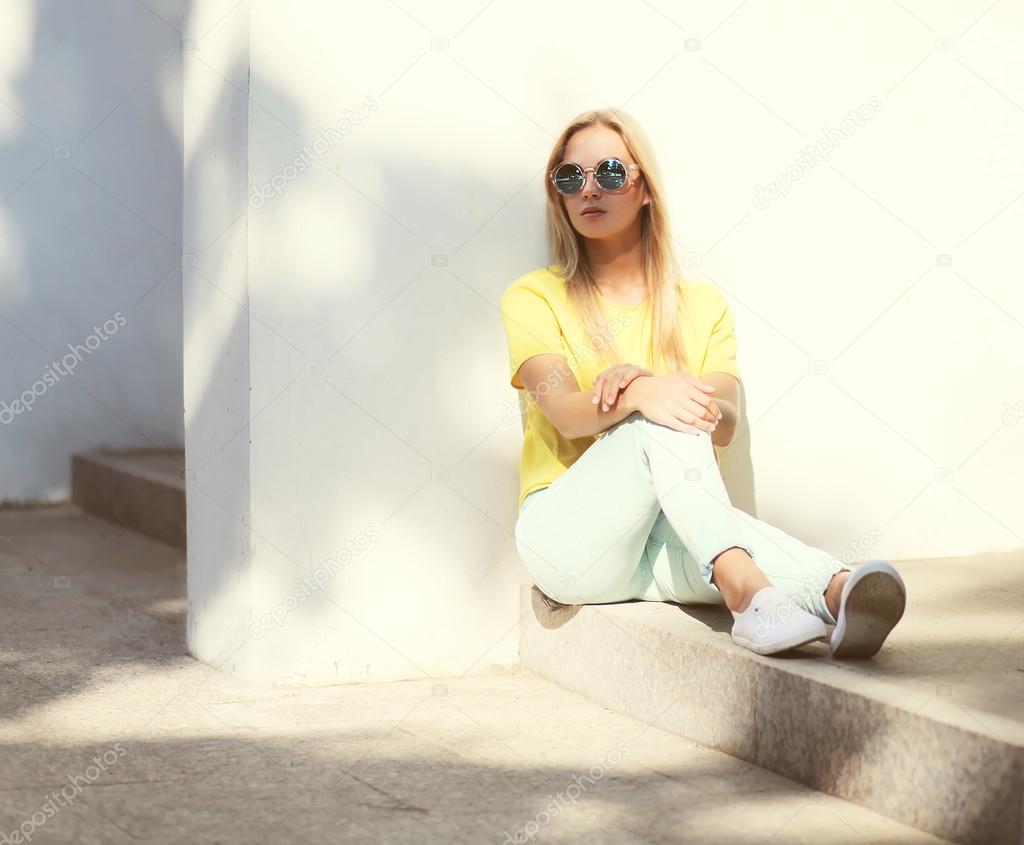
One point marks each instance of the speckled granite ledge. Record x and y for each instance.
(923, 733)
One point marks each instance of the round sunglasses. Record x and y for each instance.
(610, 173)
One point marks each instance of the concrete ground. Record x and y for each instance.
(111, 733)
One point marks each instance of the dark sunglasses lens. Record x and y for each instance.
(568, 179)
(611, 174)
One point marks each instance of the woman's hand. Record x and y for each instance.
(613, 380)
(678, 400)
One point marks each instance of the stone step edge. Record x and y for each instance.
(105, 483)
(651, 661)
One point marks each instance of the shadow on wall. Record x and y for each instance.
(90, 237)
(320, 335)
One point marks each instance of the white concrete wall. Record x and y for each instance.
(347, 400)
(379, 544)
(90, 234)
(876, 292)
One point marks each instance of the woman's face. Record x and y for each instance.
(586, 147)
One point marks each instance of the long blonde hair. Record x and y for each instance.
(661, 271)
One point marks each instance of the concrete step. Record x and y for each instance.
(141, 489)
(929, 732)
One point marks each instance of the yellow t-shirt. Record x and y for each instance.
(539, 319)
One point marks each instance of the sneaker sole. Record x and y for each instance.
(772, 648)
(873, 607)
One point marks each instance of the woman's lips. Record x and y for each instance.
(592, 213)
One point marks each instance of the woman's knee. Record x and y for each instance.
(696, 435)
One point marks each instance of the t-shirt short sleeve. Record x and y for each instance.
(530, 328)
(721, 354)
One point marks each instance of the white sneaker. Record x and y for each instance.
(872, 602)
(774, 622)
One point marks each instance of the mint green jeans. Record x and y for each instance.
(642, 514)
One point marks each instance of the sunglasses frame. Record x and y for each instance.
(585, 170)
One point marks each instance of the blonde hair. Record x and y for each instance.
(661, 271)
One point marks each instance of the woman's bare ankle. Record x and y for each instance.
(737, 578)
(834, 591)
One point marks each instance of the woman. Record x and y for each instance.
(631, 383)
